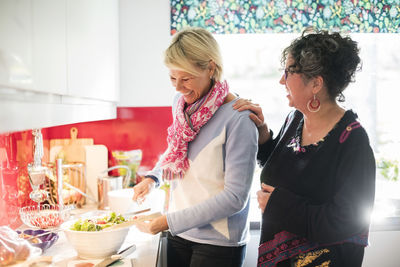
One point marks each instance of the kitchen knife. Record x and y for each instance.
(113, 258)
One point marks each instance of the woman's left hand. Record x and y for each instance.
(245, 104)
(256, 116)
(263, 196)
(153, 226)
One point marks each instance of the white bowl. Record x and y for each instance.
(93, 245)
(120, 201)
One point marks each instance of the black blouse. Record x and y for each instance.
(323, 193)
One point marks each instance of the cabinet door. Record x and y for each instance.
(92, 49)
(15, 44)
(49, 46)
(33, 47)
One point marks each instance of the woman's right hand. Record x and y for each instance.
(256, 116)
(263, 196)
(142, 189)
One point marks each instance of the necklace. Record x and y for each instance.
(295, 144)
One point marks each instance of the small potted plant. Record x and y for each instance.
(388, 168)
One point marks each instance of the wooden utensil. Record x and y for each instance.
(134, 221)
(43, 234)
(128, 214)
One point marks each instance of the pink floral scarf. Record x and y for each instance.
(185, 127)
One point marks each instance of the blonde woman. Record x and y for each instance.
(209, 161)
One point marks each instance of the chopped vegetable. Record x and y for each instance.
(91, 225)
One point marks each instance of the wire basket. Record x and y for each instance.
(44, 216)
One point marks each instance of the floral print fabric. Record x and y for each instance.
(263, 16)
(180, 133)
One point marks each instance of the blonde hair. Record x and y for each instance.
(193, 48)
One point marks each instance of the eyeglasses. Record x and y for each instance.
(286, 73)
(288, 70)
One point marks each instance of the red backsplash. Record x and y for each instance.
(142, 128)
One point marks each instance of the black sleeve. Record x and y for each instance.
(265, 150)
(155, 179)
(346, 215)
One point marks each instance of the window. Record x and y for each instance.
(252, 63)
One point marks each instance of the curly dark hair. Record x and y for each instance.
(320, 53)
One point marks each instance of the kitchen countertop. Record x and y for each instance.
(63, 254)
(145, 255)
(147, 249)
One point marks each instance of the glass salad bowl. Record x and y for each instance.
(44, 216)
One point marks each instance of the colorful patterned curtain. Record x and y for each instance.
(262, 16)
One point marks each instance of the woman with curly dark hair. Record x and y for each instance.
(318, 177)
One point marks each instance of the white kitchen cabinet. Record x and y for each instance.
(92, 49)
(59, 62)
(32, 47)
(64, 47)
(49, 67)
(16, 44)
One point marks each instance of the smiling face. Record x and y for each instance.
(191, 86)
(299, 91)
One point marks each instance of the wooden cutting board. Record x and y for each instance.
(96, 160)
(73, 133)
(25, 148)
(73, 148)
(54, 150)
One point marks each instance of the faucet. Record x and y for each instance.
(59, 171)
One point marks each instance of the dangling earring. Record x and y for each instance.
(313, 105)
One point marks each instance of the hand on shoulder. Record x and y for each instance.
(256, 116)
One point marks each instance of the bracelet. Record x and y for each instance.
(261, 125)
(155, 179)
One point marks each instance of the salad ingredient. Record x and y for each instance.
(97, 224)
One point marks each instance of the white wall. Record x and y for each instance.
(383, 250)
(144, 35)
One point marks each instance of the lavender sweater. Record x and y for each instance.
(210, 205)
